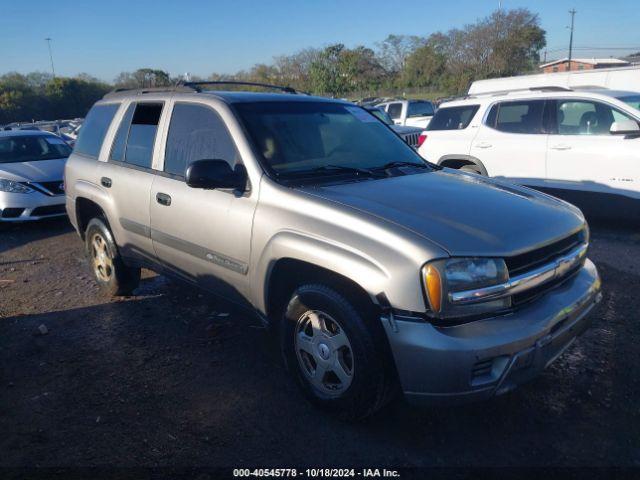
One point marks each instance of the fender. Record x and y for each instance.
(468, 158)
(339, 258)
(95, 193)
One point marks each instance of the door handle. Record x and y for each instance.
(561, 147)
(483, 145)
(163, 199)
(106, 182)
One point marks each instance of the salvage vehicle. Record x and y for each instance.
(378, 271)
(411, 113)
(582, 145)
(31, 169)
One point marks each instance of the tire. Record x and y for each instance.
(113, 277)
(471, 169)
(324, 331)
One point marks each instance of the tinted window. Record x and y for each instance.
(197, 133)
(395, 110)
(94, 129)
(582, 117)
(419, 109)
(517, 117)
(142, 134)
(120, 142)
(298, 137)
(453, 118)
(31, 148)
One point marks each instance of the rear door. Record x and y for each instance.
(512, 141)
(128, 175)
(584, 155)
(201, 235)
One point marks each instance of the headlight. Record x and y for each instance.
(13, 187)
(443, 277)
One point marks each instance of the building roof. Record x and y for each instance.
(590, 61)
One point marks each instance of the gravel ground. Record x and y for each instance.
(166, 378)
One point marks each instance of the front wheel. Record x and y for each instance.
(471, 169)
(336, 352)
(112, 275)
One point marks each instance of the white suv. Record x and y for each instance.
(567, 142)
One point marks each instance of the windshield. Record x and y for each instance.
(420, 109)
(303, 137)
(30, 148)
(382, 115)
(631, 100)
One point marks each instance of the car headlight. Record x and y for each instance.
(443, 277)
(13, 187)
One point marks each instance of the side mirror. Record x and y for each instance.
(210, 174)
(624, 127)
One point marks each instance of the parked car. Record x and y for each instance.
(31, 168)
(582, 145)
(411, 135)
(412, 113)
(374, 267)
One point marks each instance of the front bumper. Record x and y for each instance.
(20, 207)
(477, 360)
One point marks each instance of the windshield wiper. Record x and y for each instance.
(402, 164)
(333, 169)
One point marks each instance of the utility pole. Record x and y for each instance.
(573, 14)
(53, 71)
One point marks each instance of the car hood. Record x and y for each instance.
(462, 213)
(38, 171)
(404, 130)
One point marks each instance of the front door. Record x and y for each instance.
(584, 156)
(201, 235)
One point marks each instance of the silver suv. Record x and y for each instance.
(379, 271)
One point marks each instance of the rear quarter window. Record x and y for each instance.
(453, 118)
(95, 128)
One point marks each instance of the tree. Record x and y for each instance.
(394, 50)
(424, 67)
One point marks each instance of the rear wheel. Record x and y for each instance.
(112, 275)
(336, 352)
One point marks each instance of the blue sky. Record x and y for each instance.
(103, 38)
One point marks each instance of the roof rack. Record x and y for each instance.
(142, 91)
(193, 87)
(196, 85)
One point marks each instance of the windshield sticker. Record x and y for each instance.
(55, 141)
(362, 115)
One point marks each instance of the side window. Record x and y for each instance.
(95, 128)
(395, 110)
(583, 117)
(120, 142)
(517, 117)
(197, 132)
(142, 134)
(420, 109)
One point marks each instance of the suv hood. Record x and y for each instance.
(462, 213)
(38, 171)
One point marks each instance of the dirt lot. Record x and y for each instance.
(163, 379)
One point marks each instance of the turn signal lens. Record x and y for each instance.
(433, 282)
